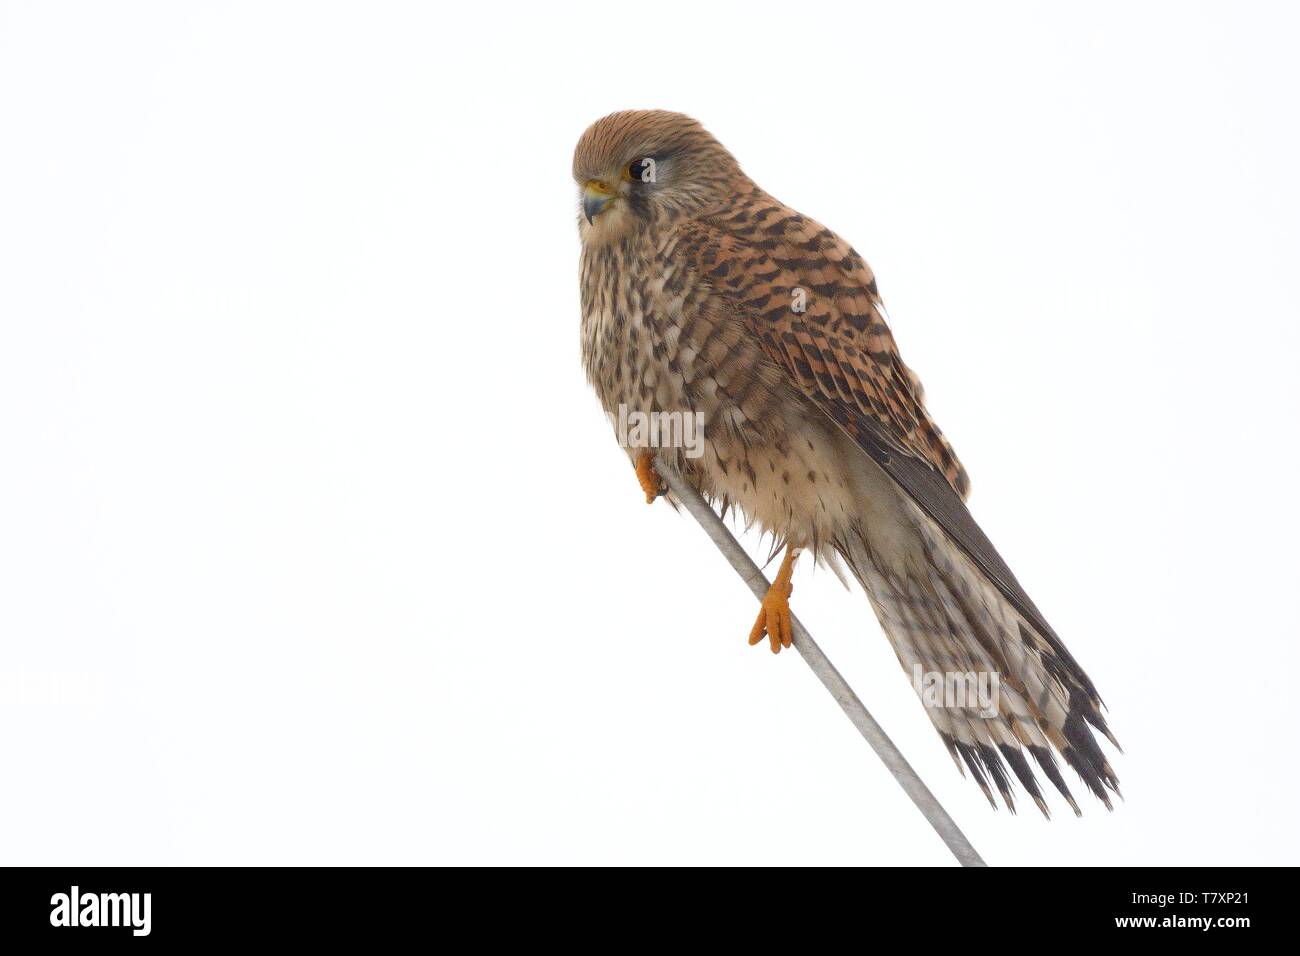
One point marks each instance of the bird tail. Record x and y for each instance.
(994, 686)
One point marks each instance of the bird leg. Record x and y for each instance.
(646, 474)
(774, 614)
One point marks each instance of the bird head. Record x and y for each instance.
(639, 165)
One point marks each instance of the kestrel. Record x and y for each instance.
(704, 296)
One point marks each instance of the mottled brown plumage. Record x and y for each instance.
(701, 294)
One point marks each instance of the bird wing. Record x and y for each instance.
(812, 303)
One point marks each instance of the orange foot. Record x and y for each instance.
(774, 615)
(649, 478)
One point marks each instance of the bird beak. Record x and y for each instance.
(596, 195)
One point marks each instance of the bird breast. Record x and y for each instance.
(656, 342)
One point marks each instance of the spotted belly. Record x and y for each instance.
(790, 481)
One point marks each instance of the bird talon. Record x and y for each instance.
(774, 617)
(649, 478)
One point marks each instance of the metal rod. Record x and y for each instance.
(890, 755)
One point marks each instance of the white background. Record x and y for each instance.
(315, 546)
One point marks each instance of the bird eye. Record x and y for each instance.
(640, 170)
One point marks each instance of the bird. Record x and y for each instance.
(705, 299)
